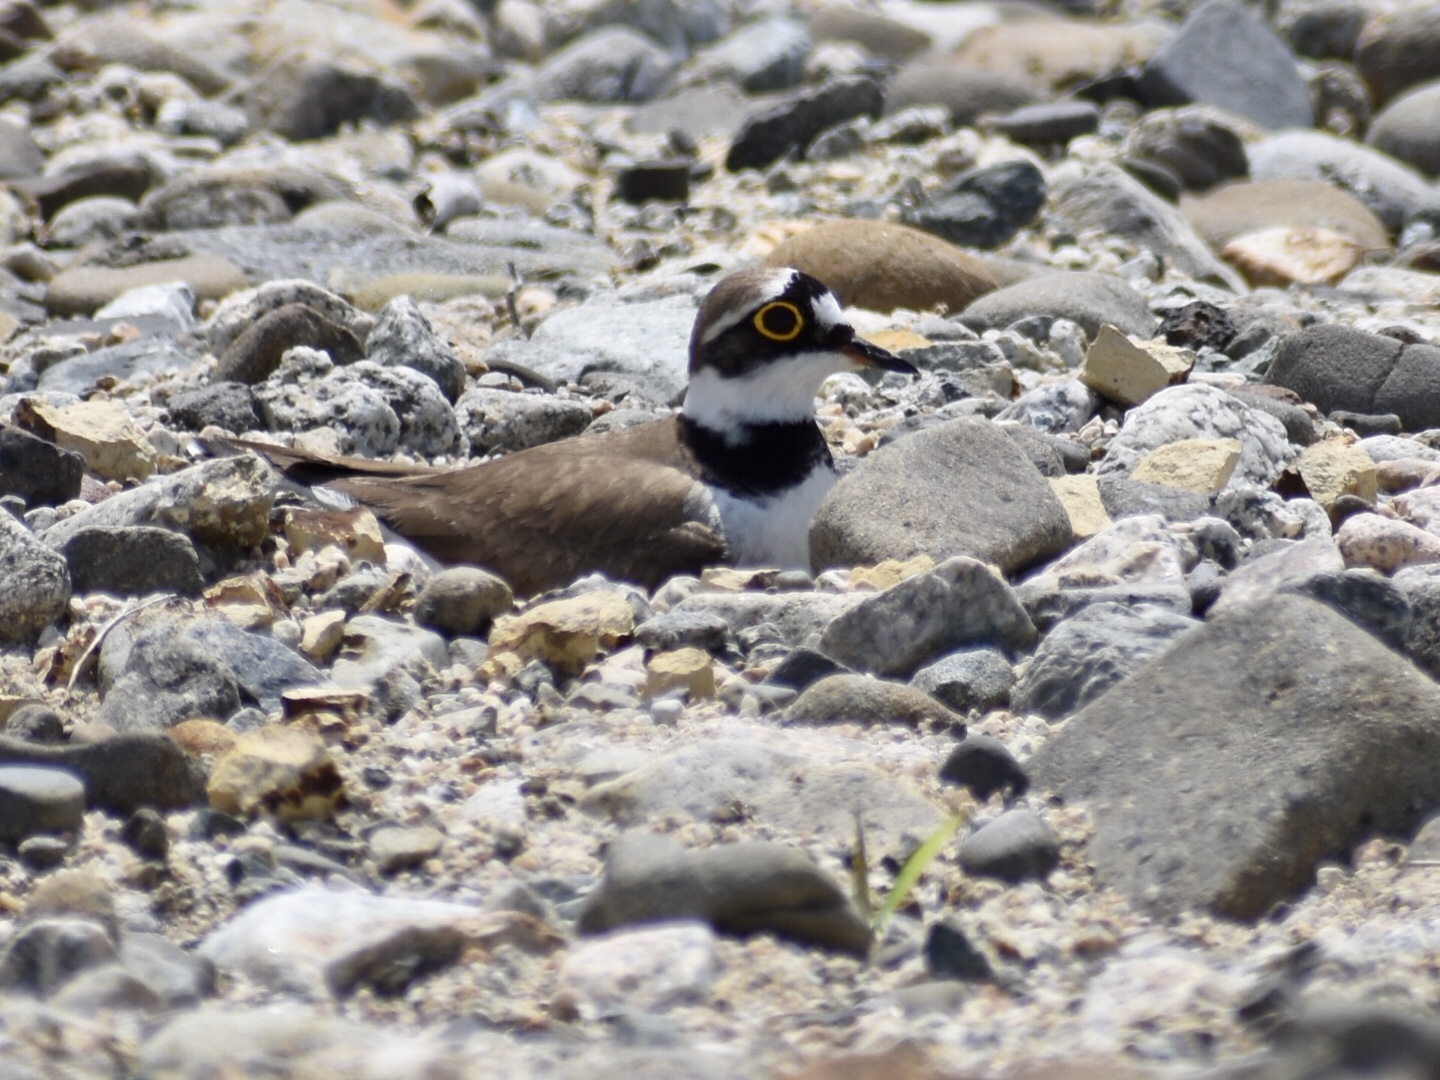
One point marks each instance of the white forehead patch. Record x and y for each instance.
(772, 284)
(827, 311)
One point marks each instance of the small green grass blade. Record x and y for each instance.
(915, 866)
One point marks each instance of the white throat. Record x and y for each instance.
(779, 393)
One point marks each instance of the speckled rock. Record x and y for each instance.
(37, 583)
(403, 336)
(1385, 544)
(858, 699)
(1085, 298)
(500, 420)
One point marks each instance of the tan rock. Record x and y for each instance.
(1293, 254)
(1059, 52)
(8, 325)
(1337, 467)
(321, 635)
(687, 669)
(1385, 544)
(1200, 465)
(1128, 372)
(250, 602)
(423, 286)
(897, 340)
(883, 266)
(355, 531)
(1402, 474)
(1233, 210)
(891, 572)
(395, 848)
(280, 771)
(1080, 495)
(99, 431)
(81, 290)
(202, 736)
(565, 634)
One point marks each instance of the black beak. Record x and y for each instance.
(867, 355)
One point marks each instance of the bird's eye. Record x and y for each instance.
(779, 321)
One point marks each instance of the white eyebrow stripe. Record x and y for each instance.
(775, 284)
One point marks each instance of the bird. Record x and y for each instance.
(733, 478)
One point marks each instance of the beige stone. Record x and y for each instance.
(897, 340)
(1080, 495)
(1337, 467)
(355, 531)
(280, 771)
(687, 669)
(1199, 465)
(99, 431)
(891, 572)
(203, 736)
(1402, 474)
(80, 290)
(1384, 544)
(1128, 372)
(565, 634)
(1291, 254)
(250, 602)
(8, 325)
(321, 634)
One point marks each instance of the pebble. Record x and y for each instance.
(1087, 299)
(37, 583)
(1016, 846)
(37, 799)
(281, 771)
(848, 698)
(132, 560)
(985, 766)
(793, 124)
(395, 849)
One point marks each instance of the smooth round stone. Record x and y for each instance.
(1015, 847)
(395, 849)
(985, 766)
(1409, 129)
(37, 799)
(970, 679)
(462, 600)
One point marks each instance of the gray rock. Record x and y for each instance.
(132, 560)
(699, 112)
(985, 766)
(255, 354)
(1048, 604)
(961, 602)
(178, 979)
(965, 92)
(1087, 654)
(1225, 55)
(609, 64)
(500, 420)
(1393, 192)
(1049, 123)
(677, 629)
(462, 600)
(1017, 846)
(264, 668)
(1341, 367)
(403, 336)
(108, 988)
(36, 470)
(429, 427)
(859, 699)
(1124, 498)
(237, 314)
(1104, 197)
(962, 488)
(1299, 428)
(39, 799)
(37, 583)
(740, 889)
(678, 25)
(1055, 407)
(968, 679)
(649, 341)
(765, 56)
(308, 96)
(1407, 129)
(1370, 601)
(375, 648)
(224, 504)
(983, 207)
(169, 677)
(1199, 145)
(1197, 411)
(47, 953)
(212, 119)
(151, 356)
(1254, 679)
(20, 158)
(795, 615)
(35, 723)
(122, 773)
(170, 302)
(231, 406)
(1422, 636)
(793, 124)
(1085, 298)
(306, 393)
(97, 219)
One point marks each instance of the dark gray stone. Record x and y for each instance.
(167, 678)
(1242, 699)
(47, 953)
(739, 889)
(968, 679)
(120, 774)
(39, 799)
(965, 91)
(227, 405)
(677, 629)
(264, 668)
(1041, 449)
(1341, 367)
(1090, 652)
(1017, 846)
(1195, 145)
(1084, 297)
(860, 699)
(1367, 599)
(144, 833)
(308, 96)
(403, 336)
(36, 588)
(1422, 636)
(985, 766)
(614, 63)
(255, 354)
(962, 488)
(36, 470)
(1048, 123)
(803, 667)
(462, 600)
(949, 955)
(35, 723)
(761, 58)
(1299, 428)
(1048, 605)
(132, 560)
(983, 207)
(794, 123)
(961, 602)
(1225, 55)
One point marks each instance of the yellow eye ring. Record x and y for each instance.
(788, 335)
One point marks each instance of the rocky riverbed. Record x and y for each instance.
(1101, 740)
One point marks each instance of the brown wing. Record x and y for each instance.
(621, 504)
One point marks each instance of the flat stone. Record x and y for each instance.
(968, 679)
(1203, 466)
(1199, 145)
(132, 560)
(1187, 836)
(82, 290)
(1129, 372)
(281, 771)
(882, 266)
(394, 848)
(859, 699)
(1291, 254)
(101, 432)
(228, 405)
(1334, 468)
(1238, 209)
(37, 583)
(48, 952)
(39, 799)
(739, 889)
(1016, 846)
(1049, 123)
(1084, 506)
(985, 766)
(960, 488)
(794, 123)
(1087, 299)
(565, 634)
(1090, 652)
(961, 602)
(20, 158)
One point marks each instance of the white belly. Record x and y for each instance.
(773, 531)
